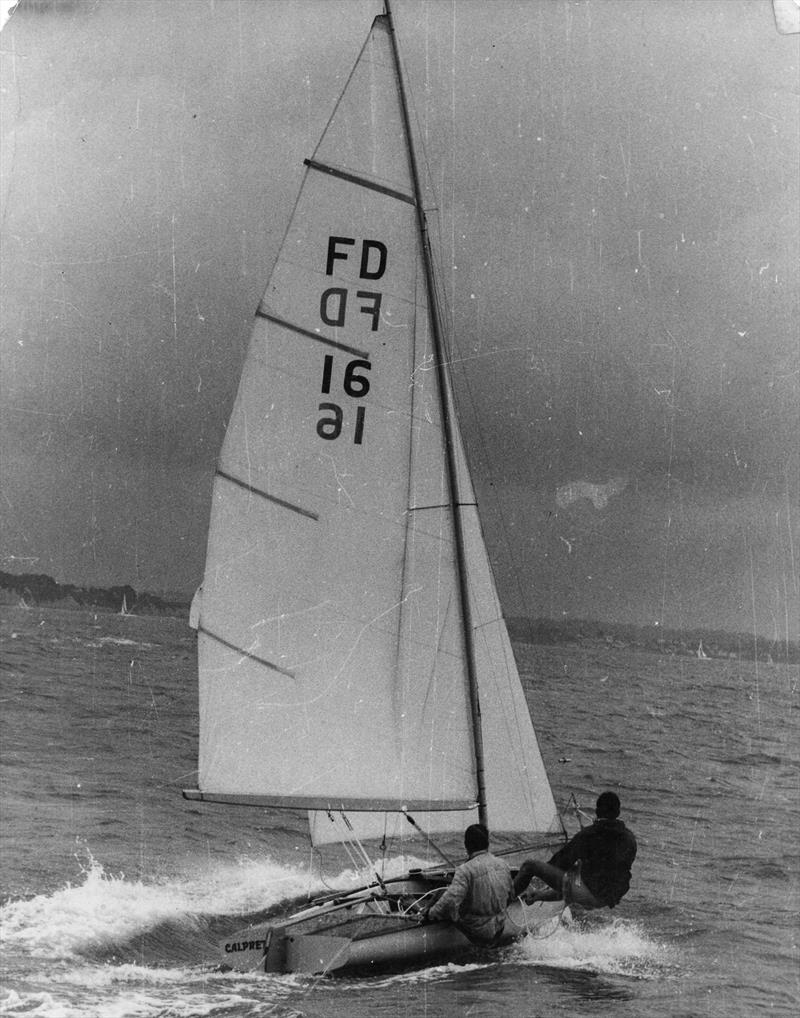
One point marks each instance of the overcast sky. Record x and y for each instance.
(617, 183)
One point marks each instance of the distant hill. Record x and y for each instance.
(32, 589)
(700, 643)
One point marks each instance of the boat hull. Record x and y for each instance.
(366, 931)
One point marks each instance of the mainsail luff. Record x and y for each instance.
(447, 420)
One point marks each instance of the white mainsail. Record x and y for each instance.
(332, 655)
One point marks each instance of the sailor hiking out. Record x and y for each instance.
(593, 869)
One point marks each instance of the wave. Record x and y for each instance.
(756, 758)
(107, 912)
(618, 947)
(131, 991)
(113, 945)
(108, 917)
(115, 641)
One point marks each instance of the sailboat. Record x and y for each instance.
(353, 659)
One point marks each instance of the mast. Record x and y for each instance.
(447, 414)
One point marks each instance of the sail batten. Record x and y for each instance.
(318, 337)
(352, 178)
(241, 652)
(265, 495)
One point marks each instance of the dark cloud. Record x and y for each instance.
(617, 190)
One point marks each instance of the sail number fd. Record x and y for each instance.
(333, 311)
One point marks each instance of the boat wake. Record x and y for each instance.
(131, 991)
(110, 918)
(144, 946)
(618, 947)
(117, 641)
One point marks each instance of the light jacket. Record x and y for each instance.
(477, 897)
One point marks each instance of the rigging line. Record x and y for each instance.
(489, 622)
(367, 861)
(428, 839)
(450, 435)
(430, 198)
(338, 102)
(356, 862)
(551, 926)
(443, 505)
(446, 310)
(384, 848)
(399, 688)
(468, 396)
(316, 861)
(579, 813)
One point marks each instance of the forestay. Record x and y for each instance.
(331, 631)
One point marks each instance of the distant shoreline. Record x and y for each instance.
(36, 590)
(29, 590)
(703, 644)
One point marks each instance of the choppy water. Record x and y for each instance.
(114, 889)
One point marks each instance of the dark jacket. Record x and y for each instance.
(606, 850)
